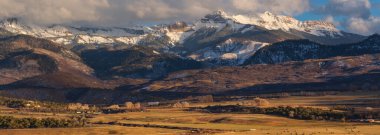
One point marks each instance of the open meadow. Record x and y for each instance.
(171, 121)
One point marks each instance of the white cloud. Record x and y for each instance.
(354, 15)
(332, 20)
(364, 26)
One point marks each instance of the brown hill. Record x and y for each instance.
(23, 57)
(338, 73)
(346, 72)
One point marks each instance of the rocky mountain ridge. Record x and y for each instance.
(200, 40)
(219, 54)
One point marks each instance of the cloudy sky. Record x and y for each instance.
(358, 16)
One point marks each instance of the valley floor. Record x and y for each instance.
(172, 121)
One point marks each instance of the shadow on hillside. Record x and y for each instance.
(368, 81)
(137, 93)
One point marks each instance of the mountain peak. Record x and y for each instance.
(220, 12)
(11, 21)
(218, 16)
(269, 13)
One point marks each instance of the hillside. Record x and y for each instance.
(24, 56)
(337, 73)
(135, 62)
(48, 71)
(299, 50)
(220, 54)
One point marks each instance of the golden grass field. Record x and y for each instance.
(223, 124)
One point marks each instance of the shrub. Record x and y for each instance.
(8, 122)
(15, 103)
(291, 112)
(113, 132)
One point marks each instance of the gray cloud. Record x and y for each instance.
(53, 11)
(352, 8)
(286, 7)
(158, 10)
(123, 12)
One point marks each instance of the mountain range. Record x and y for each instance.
(219, 38)
(221, 53)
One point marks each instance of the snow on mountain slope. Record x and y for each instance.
(230, 52)
(75, 35)
(271, 21)
(178, 36)
(133, 40)
(83, 39)
(218, 36)
(177, 32)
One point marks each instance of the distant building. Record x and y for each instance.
(153, 103)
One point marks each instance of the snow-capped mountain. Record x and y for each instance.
(221, 37)
(230, 52)
(70, 35)
(286, 23)
(216, 37)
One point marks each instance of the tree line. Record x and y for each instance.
(304, 113)
(9, 122)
